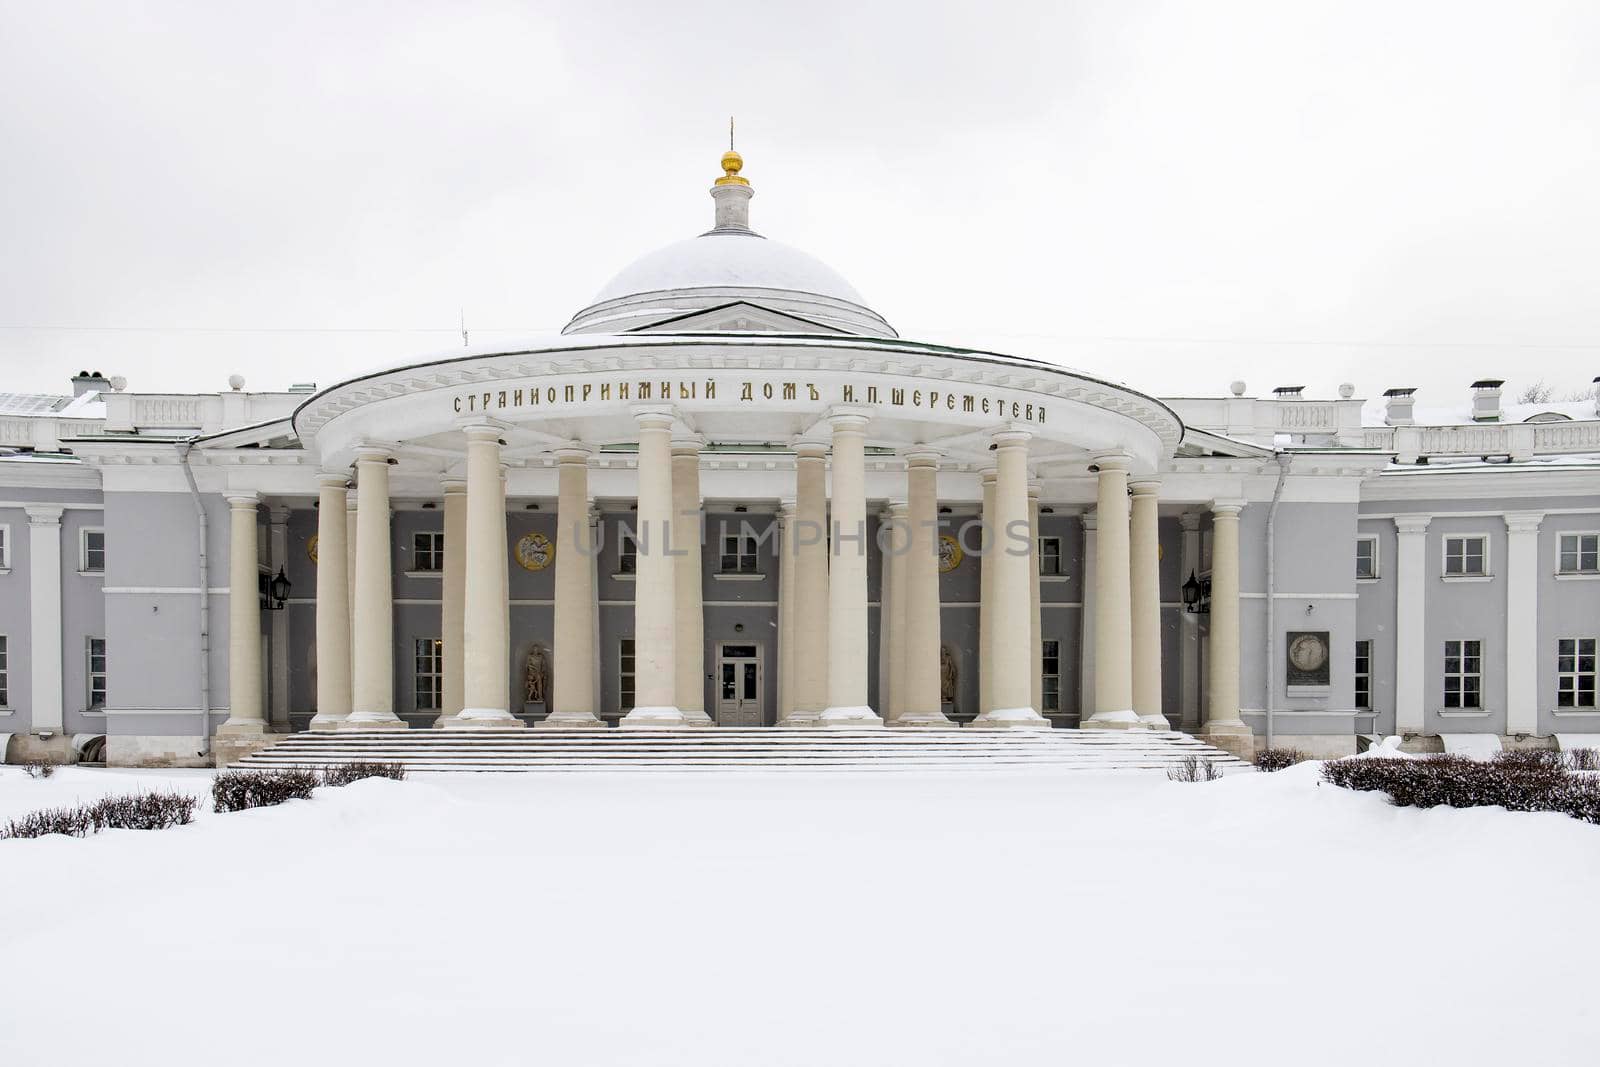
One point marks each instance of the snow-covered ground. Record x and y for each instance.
(786, 918)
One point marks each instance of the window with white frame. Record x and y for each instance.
(625, 674)
(1580, 553)
(1050, 691)
(1364, 675)
(1366, 557)
(627, 553)
(97, 672)
(738, 553)
(1575, 673)
(430, 673)
(1463, 674)
(92, 550)
(5, 674)
(5, 547)
(1466, 557)
(1049, 555)
(427, 550)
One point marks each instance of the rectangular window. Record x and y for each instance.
(1049, 555)
(1463, 674)
(1580, 553)
(1575, 673)
(1466, 556)
(627, 554)
(5, 675)
(430, 673)
(92, 557)
(738, 554)
(427, 551)
(5, 548)
(1366, 557)
(1050, 691)
(1364, 675)
(97, 672)
(625, 674)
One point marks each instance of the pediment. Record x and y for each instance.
(739, 316)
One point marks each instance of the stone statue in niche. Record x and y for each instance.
(948, 675)
(536, 676)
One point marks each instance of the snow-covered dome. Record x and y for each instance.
(730, 264)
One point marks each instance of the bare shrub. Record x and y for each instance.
(1277, 759)
(345, 773)
(39, 767)
(139, 811)
(1194, 769)
(241, 790)
(1517, 781)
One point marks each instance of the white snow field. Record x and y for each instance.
(1016, 918)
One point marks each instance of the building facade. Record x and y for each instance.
(729, 494)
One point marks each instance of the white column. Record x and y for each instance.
(688, 539)
(485, 615)
(350, 517)
(1189, 626)
(918, 598)
(655, 612)
(1522, 621)
(1035, 619)
(808, 553)
(986, 572)
(572, 700)
(1090, 524)
(1011, 691)
(1145, 590)
(278, 556)
(372, 634)
(1224, 726)
(892, 611)
(453, 606)
(44, 616)
(333, 603)
(786, 594)
(244, 619)
(1410, 623)
(847, 578)
(1113, 606)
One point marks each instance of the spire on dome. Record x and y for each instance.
(732, 192)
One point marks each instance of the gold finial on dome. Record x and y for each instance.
(732, 162)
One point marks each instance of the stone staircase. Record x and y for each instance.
(743, 749)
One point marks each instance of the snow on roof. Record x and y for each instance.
(728, 260)
(40, 405)
(1461, 414)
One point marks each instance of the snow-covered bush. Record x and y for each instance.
(39, 768)
(345, 773)
(239, 790)
(1194, 769)
(1526, 781)
(140, 811)
(1583, 759)
(1276, 759)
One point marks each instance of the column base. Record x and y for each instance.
(697, 717)
(657, 718)
(1112, 720)
(372, 720)
(1155, 722)
(1232, 737)
(857, 718)
(1010, 719)
(485, 719)
(242, 728)
(570, 720)
(228, 749)
(324, 722)
(800, 720)
(922, 720)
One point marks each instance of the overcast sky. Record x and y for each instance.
(1172, 194)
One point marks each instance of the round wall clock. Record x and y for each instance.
(311, 548)
(950, 554)
(535, 552)
(1308, 653)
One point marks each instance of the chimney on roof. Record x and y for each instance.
(90, 382)
(1397, 407)
(1486, 400)
(1288, 392)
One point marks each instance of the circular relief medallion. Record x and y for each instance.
(535, 552)
(950, 554)
(1308, 653)
(311, 548)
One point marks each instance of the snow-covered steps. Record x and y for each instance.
(743, 749)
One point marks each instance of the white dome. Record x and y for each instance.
(728, 260)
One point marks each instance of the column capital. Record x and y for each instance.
(1412, 524)
(847, 419)
(1035, 491)
(454, 486)
(44, 514)
(922, 456)
(1226, 508)
(1090, 521)
(1010, 437)
(1110, 461)
(654, 416)
(374, 453)
(989, 473)
(279, 514)
(687, 444)
(1523, 521)
(809, 448)
(1145, 486)
(333, 479)
(1189, 521)
(483, 430)
(573, 452)
(240, 499)
(786, 510)
(896, 509)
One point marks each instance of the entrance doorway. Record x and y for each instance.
(738, 684)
